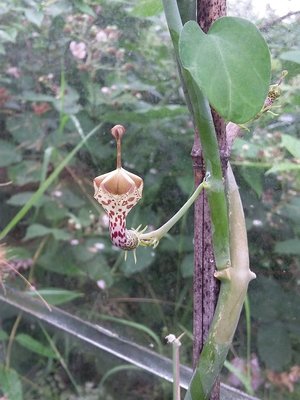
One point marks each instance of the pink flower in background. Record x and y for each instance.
(102, 36)
(13, 71)
(78, 49)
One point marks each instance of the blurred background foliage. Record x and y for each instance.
(65, 67)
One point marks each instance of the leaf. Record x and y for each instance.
(84, 8)
(38, 230)
(147, 8)
(64, 260)
(97, 269)
(34, 16)
(8, 154)
(54, 212)
(283, 166)
(20, 199)
(254, 179)
(8, 36)
(19, 253)
(26, 128)
(26, 171)
(70, 199)
(274, 346)
(230, 64)
(3, 335)
(56, 296)
(293, 56)
(144, 256)
(266, 297)
(290, 246)
(187, 266)
(35, 346)
(10, 383)
(147, 114)
(292, 144)
(55, 8)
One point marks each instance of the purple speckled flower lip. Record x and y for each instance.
(118, 192)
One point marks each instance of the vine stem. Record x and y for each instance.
(204, 123)
(160, 232)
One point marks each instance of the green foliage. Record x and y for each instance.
(129, 76)
(147, 8)
(219, 63)
(10, 383)
(35, 346)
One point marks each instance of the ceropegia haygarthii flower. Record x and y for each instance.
(119, 191)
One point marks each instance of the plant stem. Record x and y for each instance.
(235, 280)
(11, 340)
(248, 331)
(160, 232)
(203, 121)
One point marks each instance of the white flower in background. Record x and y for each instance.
(78, 49)
(102, 36)
(101, 284)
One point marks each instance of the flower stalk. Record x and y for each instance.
(119, 191)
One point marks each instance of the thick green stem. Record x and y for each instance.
(203, 121)
(235, 280)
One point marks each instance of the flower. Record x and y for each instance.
(118, 192)
(78, 49)
(102, 36)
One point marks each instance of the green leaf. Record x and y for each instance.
(34, 16)
(56, 296)
(187, 266)
(84, 8)
(8, 35)
(3, 335)
(26, 171)
(97, 269)
(26, 128)
(274, 346)
(283, 166)
(144, 256)
(147, 114)
(64, 264)
(147, 8)
(253, 177)
(292, 145)
(55, 8)
(38, 230)
(19, 253)
(230, 64)
(20, 199)
(290, 246)
(293, 56)
(10, 383)
(53, 211)
(266, 307)
(70, 199)
(35, 346)
(8, 154)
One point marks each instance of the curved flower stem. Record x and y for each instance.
(152, 238)
(204, 124)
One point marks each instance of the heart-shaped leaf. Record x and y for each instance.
(230, 64)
